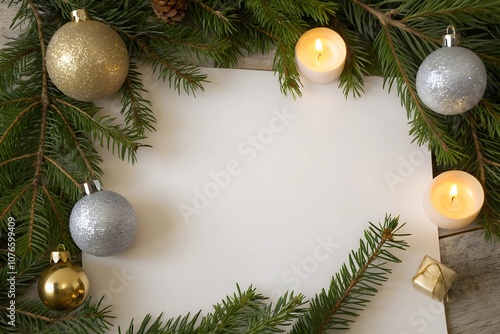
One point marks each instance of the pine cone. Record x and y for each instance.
(170, 11)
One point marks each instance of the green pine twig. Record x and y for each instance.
(34, 317)
(243, 312)
(357, 281)
(349, 293)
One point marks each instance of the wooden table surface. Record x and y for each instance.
(474, 304)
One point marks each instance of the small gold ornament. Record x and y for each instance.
(170, 11)
(86, 59)
(63, 286)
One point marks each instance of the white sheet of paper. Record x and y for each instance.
(244, 185)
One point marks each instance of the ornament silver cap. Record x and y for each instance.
(451, 38)
(80, 15)
(60, 255)
(91, 187)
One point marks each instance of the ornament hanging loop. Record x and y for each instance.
(80, 15)
(91, 187)
(451, 38)
(60, 255)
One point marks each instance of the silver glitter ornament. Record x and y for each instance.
(86, 59)
(452, 79)
(102, 223)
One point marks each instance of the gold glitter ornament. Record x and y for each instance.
(63, 286)
(86, 59)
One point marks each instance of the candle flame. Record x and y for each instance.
(453, 192)
(319, 47)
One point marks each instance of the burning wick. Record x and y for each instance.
(319, 48)
(453, 192)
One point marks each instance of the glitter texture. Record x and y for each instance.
(102, 223)
(87, 60)
(451, 80)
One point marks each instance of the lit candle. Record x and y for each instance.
(320, 54)
(453, 199)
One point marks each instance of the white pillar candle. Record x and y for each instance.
(453, 199)
(320, 55)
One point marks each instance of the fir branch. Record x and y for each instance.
(13, 60)
(477, 146)
(275, 318)
(359, 59)
(177, 73)
(89, 318)
(361, 20)
(233, 312)
(179, 325)
(392, 55)
(9, 203)
(45, 101)
(489, 117)
(135, 108)
(253, 39)
(30, 246)
(284, 65)
(273, 18)
(16, 101)
(32, 228)
(18, 119)
(399, 69)
(467, 12)
(28, 268)
(24, 156)
(92, 169)
(490, 215)
(59, 211)
(197, 44)
(349, 292)
(481, 160)
(394, 69)
(101, 129)
(243, 312)
(62, 170)
(218, 20)
(352, 286)
(284, 39)
(248, 312)
(385, 18)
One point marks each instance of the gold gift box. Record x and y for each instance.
(433, 278)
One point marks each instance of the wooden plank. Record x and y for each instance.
(6, 15)
(443, 232)
(473, 306)
(257, 62)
